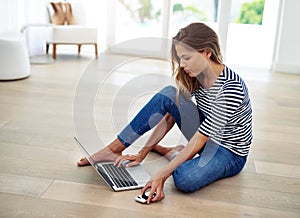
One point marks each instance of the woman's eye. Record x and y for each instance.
(188, 58)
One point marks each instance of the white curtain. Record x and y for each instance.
(15, 14)
(11, 14)
(35, 12)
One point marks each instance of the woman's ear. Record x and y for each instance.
(207, 53)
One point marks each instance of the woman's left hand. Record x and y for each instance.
(129, 160)
(156, 185)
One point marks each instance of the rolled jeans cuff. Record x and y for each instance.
(128, 136)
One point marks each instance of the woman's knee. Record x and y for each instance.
(169, 91)
(190, 176)
(185, 182)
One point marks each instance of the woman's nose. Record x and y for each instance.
(182, 64)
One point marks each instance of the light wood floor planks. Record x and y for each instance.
(39, 177)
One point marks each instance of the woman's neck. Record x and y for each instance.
(209, 76)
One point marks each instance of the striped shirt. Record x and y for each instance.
(227, 110)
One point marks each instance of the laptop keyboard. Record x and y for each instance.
(119, 175)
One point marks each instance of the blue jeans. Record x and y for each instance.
(214, 161)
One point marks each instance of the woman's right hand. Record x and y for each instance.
(129, 160)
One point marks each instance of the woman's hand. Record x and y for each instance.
(129, 160)
(156, 185)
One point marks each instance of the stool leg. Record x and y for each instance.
(79, 48)
(54, 51)
(47, 48)
(96, 50)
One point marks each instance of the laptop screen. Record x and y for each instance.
(90, 159)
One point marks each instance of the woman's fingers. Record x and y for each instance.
(124, 160)
(147, 186)
(152, 191)
(156, 194)
(132, 163)
(156, 190)
(160, 195)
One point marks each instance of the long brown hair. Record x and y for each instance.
(199, 37)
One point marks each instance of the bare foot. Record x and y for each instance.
(104, 154)
(167, 152)
(83, 162)
(108, 153)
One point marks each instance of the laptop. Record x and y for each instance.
(118, 178)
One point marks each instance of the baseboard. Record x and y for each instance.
(285, 68)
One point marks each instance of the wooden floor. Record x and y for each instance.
(39, 177)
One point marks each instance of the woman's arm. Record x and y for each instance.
(162, 128)
(158, 134)
(188, 152)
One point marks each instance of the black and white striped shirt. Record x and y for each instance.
(227, 110)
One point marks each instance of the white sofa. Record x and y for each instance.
(78, 34)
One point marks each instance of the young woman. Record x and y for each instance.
(218, 127)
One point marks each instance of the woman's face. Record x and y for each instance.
(193, 62)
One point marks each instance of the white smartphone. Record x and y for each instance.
(143, 198)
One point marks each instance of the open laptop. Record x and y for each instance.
(118, 178)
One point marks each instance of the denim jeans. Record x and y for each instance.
(214, 161)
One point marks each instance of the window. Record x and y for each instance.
(138, 18)
(252, 29)
(247, 11)
(184, 12)
(240, 41)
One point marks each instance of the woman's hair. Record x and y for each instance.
(199, 37)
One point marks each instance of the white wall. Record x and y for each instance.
(287, 48)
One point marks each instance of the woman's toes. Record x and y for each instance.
(83, 162)
(174, 151)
